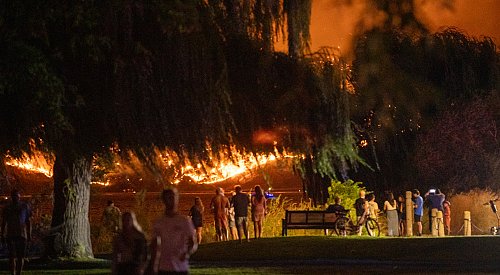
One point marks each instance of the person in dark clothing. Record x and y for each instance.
(361, 206)
(16, 231)
(130, 250)
(336, 208)
(434, 199)
(240, 203)
(196, 214)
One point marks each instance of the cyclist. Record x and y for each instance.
(336, 208)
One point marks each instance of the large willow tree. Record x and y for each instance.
(79, 77)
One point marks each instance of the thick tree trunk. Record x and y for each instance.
(72, 177)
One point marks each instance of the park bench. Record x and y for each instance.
(308, 219)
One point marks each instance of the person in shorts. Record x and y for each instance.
(220, 208)
(418, 205)
(240, 203)
(16, 231)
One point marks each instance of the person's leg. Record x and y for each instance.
(260, 227)
(245, 227)
(218, 233)
(198, 234)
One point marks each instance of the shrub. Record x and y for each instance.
(348, 191)
(475, 201)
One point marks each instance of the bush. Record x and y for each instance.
(474, 201)
(348, 191)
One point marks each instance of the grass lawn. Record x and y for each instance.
(324, 255)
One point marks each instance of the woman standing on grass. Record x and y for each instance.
(130, 254)
(258, 211)
(402, 215)
(196, 214)
(390, 208)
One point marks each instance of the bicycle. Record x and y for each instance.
(494, 230)
(344, 225)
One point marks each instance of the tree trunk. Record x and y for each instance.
(70, 215)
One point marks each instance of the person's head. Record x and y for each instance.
(390, 196)
(415, 193)
(337, 200)
(370, 197)
(237, 188)
(258, 191)
(198, 203)
(170, 198)
(446, 203)
(362, 193)
(15, 196)
(401, 198)
(110, 203)
(129, 222)
(219, 191)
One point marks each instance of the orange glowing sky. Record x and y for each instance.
(333, 24)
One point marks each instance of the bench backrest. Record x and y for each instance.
(309, 217)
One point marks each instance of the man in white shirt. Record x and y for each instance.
(174, 238)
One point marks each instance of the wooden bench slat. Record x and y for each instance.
(305, 219)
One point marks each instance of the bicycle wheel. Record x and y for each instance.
(343, 226)
(372, 227)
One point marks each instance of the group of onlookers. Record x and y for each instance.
(395, 210)
(231, 214)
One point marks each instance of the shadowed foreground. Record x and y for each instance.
(323, 255)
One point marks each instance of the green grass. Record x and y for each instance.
(321, 255)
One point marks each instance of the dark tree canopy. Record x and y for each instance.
(404, 82)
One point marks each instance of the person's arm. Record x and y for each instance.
(154, 247)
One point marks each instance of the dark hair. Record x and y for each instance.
(337, 199)
(199, 205)
(258, 192)
(110, 202)
(415, 191)
(370, 197)
(237, 188)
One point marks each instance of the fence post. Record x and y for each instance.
(467, 224)
(409, 214)
(434, 231)
(440, 223)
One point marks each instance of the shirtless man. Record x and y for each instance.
(220, 207)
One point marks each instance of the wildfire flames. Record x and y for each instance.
(223, 165)
(36, 163)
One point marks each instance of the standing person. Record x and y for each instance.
(130, 252)
(16, 231)
(174, 238)
(372, 206)
(240, 202)
(402, 215)
(111, 217)
(231, 219)
(196, 214)
(418, 204)
(390, 208)
(258, 211)
(434, 199)
(220, 207)
(361, 206)
(447, 217)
